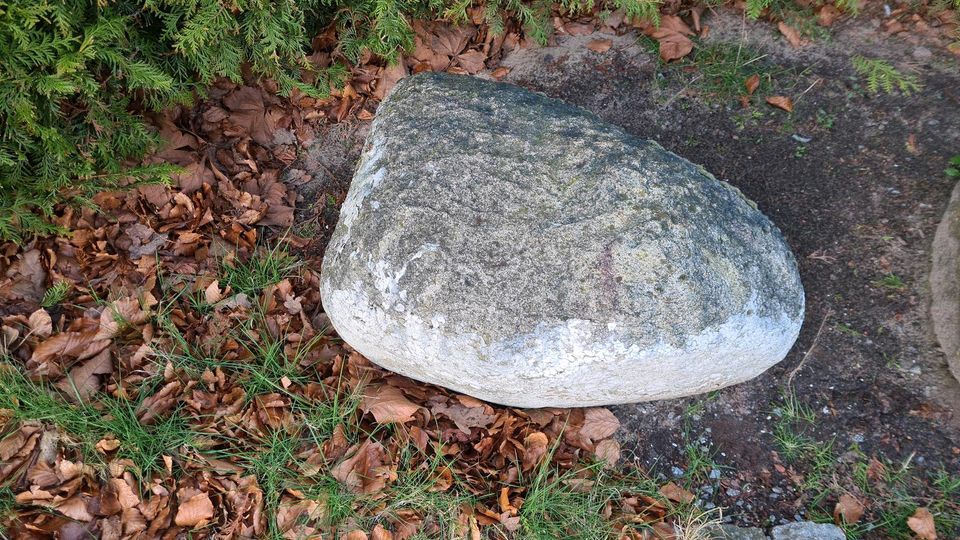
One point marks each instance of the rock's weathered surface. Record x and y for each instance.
(945, 283)
(807, 530)
(732, 532)
(519, 250)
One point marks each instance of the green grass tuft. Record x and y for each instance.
(265, 267)
(86, 423)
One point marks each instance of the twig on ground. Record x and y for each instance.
(813, 345)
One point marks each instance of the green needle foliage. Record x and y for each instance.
(880, 75)
(76, 76)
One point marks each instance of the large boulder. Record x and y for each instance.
(945, 283)
(519, 250)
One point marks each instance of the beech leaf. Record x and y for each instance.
(752, 83)
(599, 423)
(600, 45)
(194, 510)
(791, 34)
(676, 493)
(40, 323)
(848, 510)
(921, 522)
(781, 102)
(388, 405)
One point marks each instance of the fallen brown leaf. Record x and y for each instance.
(362, 471)
(848, 510)
(921, 522)
(472, 61)
(781, 102)
(672, 35)
(578, 29)
(76, 508)
(40, 323)
(599, 423)
(600, 45)
(125, 494)
(464, 417)
(194, 511)
(608, 451)
(752, 83)
(827, 15)
(84, 379)
(388, 405)
(791, 34)
(911, 144)
(504, 501)
(676, 493)
(389, 78)
(876, 470)
(379, 533)
(534, 448)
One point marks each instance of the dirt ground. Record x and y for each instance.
(856, 184)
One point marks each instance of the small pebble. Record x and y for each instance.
(733, 492)
(714, 474)
(922, 53)
(676, 471)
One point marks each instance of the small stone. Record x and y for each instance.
(714, 474)
(732, 532)
(733, 492)
(807, 530)
(922, 53)
(677, 472)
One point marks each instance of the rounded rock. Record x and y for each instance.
(520, 250)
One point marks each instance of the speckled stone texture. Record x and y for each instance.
(806, 530)
(520, 250)
(945, 283)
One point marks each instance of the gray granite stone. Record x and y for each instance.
(807, 530)
(520, 250)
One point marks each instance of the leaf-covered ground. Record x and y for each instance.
(167, 369)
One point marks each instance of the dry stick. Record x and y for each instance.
(810, 350)
(682, 90)
(816, 82)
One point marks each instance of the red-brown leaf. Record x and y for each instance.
(791, 34)
(194, 511)
(388, 405)
(600, 45)
(676, 493)
(599, 423)
(781, 102)
(848, 510)
(921, 522)
(752, 83)
(672, 35)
